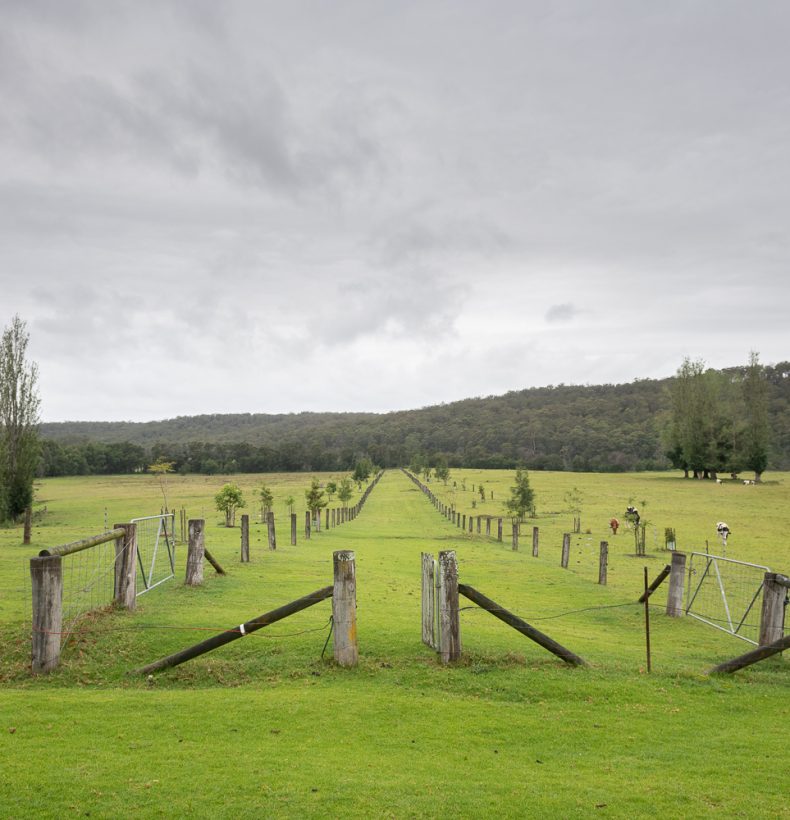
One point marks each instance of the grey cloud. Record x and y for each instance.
(266, 184)
(565, 312)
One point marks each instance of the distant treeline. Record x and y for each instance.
(604, 428)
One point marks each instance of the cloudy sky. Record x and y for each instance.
(251, 206)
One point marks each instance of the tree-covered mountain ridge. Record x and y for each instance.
(610, 427)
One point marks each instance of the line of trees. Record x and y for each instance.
(719, 420)
(611, 428)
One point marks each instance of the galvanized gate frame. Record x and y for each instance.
(712, 566)
(169, 539)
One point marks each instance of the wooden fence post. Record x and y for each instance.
(499, 529)
(449, 616)
(677, 578)
(326, 525)
(28, 526)
(479, 517)
(471, 522)
(515, 534)
(245, 538)
(535, 537)
(195, 550)
(488, 526)
(270, 530)
(307, 524)
(46, 575)
(125, 588)
(428, 600)
(603, 563)
(344, 609)
(772, 616)
(463, 524)
(566, 550)
(293, 529)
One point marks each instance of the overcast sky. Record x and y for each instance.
(284, 206)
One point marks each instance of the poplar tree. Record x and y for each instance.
(19, 406)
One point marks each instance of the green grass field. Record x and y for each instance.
(266, 727)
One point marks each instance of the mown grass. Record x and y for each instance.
(266, 727)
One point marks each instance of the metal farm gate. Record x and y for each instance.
(156, 550)
(726, 594)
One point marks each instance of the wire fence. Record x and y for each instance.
(88, 583)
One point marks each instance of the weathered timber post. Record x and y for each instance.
(326, 526)
(499, 529)
(458, 520)
(535, 538)
(471, 522)
(515, 534)
(344, 609)
(307, 524)
(125, 588)
(677, 577)
(772, 616)
(488, 526)
(603, 563)
(270, 530)
(449, 616)
(293, 529)
(463, 523)
(245, 539)
(566, 550)
(46, 575)
(428, 600)
(195, 551)
(28, 526)
(333, 518)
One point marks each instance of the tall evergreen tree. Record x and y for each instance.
(19, 406)
(755, 399)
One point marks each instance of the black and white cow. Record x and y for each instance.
(723, 532)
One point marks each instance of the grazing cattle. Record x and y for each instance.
(614, 524)
(632, 515)
(723, 531)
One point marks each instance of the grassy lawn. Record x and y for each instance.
(266, 727)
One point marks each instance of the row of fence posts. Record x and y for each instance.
(334, 517)
(774, 584)
(460, 519)
(46, 571)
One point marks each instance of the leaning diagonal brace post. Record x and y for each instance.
(520, 626)
(659, 579)
(213, 561)
(759, 654)
(237, 632)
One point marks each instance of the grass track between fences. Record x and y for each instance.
(274, 730)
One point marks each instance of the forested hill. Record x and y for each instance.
(602, 428)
